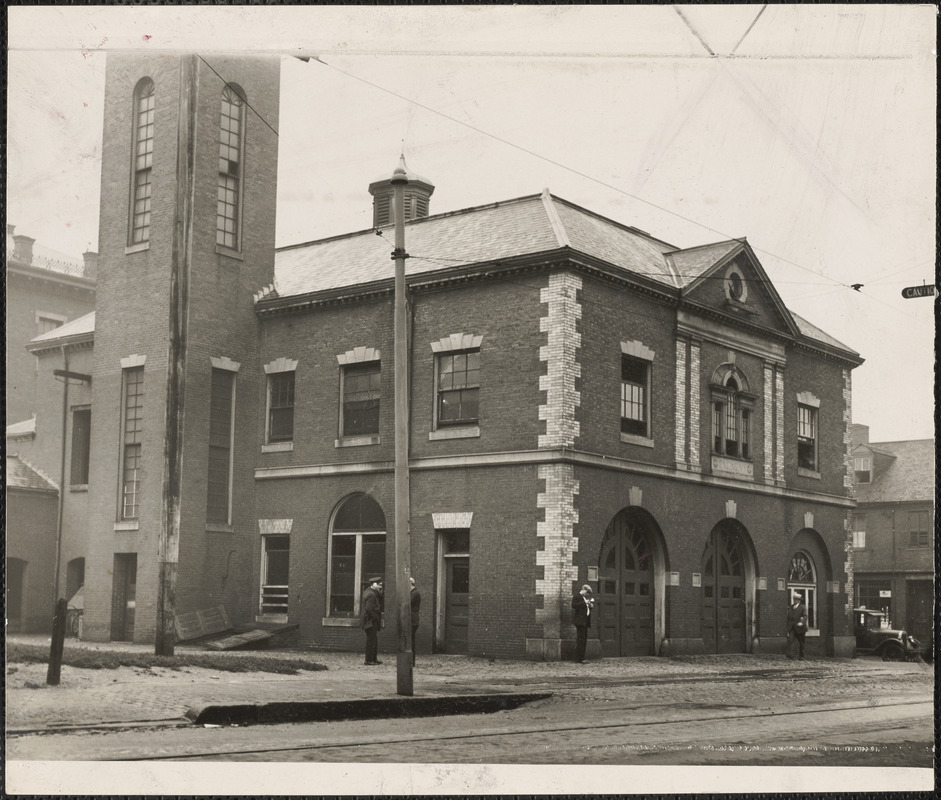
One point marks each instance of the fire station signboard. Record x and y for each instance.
(918, 291)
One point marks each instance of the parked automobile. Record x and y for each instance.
(874, 637)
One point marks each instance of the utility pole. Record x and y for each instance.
(403, 659)
(180, 263)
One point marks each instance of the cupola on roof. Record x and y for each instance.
(418, 190)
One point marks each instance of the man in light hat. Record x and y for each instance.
(796, 626)
(371, 617)
(582, 605)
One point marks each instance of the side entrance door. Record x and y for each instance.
(456, 603)
(920, 603)
(723, 594)
(625, 588)
(123, 597)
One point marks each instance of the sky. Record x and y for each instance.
(809, 129)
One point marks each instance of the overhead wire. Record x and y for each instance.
(573, 170)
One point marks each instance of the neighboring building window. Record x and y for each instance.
(917, 528)
(806, 437)
(862, 465)
(731, 418)
(875, 595)
(142, 178)
(802, 579)
(635, 401)
(46, 323)
(360, 404)
(228, 200)
(859, 532)
(357, 553)
(132, 434)
(275, 563)
(280, 406)
(221, 434)
(458, 387)
(81, 441)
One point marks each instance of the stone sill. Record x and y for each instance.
(277, 447)
(136, 248)
(808, 473)
(127, 525)
(633, 438)
(457, 432)
(78, 487)
(219, 527)
(229, 252)
(356, 441)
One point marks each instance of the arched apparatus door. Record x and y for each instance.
(626, 589)
(723, 591)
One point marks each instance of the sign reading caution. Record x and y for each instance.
(918, 291)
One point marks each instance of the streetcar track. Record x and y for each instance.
(440, 737)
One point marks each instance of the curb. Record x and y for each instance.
(334, 710)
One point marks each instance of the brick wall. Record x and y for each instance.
(31, 538)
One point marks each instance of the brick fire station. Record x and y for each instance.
(588, 404)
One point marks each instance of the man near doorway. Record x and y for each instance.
(582, 604)
(372, 619)
(415, 598)
(796, 626)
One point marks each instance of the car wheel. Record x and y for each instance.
(893, 652)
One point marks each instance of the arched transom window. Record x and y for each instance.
(731, 413)
(802, 581)
(357, 552)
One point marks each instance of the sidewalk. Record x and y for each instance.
(130, 695)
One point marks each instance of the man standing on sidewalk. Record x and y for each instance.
(372, 619)
(796, 626)
(582, 604)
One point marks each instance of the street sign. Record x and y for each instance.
(918, 291)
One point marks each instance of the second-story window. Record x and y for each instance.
(917, 528)
(458, 388)
(132, 436)
(281, 406)
(635, 388)
(360, 399)
(228, 200)
(221, 434)
(81, 441)
(806, 437)
(731, 419)
(143, 162)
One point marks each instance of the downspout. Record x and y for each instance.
(61, 509)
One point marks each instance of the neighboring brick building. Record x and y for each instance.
(31, 511)
(893, 529)
(45, 289)
(588, 404)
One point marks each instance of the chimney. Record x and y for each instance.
(23, 248)
(91, 264)
(417, 194)
(860, 434)
(10, 229)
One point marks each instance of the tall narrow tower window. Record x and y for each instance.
(132, 433)
(228, 201)
(142, 178)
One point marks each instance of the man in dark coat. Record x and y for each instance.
(796, 626)
(416, 614)
(582, 605)
(371, 617)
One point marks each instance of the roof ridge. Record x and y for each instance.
(35, 469)
(558, 227)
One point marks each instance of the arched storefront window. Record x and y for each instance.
(357, 553)
(802, 580)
